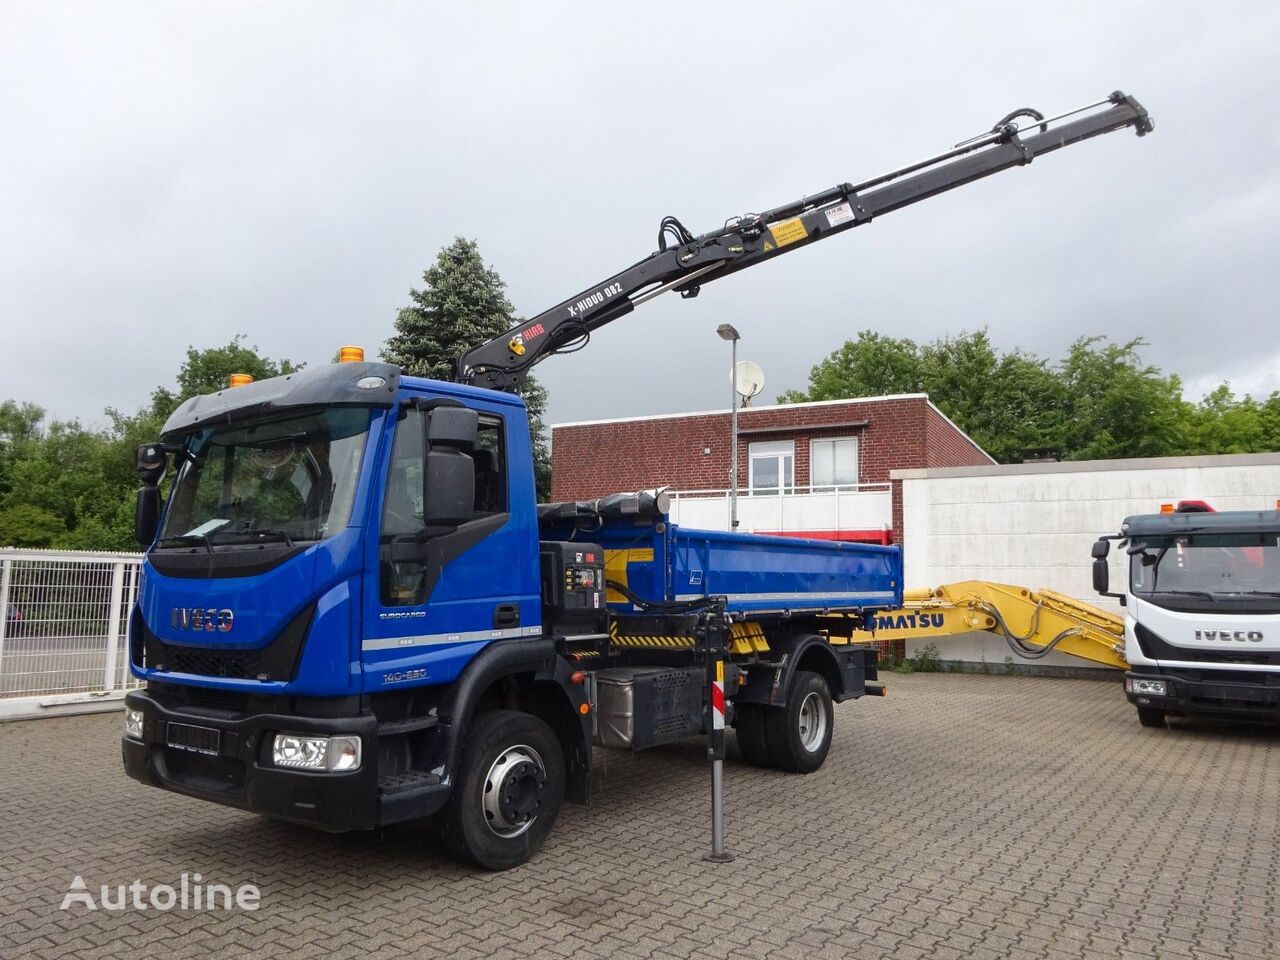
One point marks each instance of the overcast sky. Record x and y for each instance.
(176, 174)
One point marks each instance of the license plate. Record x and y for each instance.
(184, 736)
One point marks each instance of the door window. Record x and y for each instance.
(403, 582)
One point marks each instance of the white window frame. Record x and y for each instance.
(814, 482)
(778, 450)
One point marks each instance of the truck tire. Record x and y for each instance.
(1151, 717)
(752, 740)
(510, 785)
(799, 734)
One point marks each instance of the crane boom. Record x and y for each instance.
(1032, 622)
(684, 262)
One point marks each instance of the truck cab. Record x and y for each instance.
(338, 545)
(1202, 612)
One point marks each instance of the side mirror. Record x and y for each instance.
(448, 488)
(449, 474)
(149, 462)
(454, 427)
(1101, 547)
(146, 514)
(1101, 575)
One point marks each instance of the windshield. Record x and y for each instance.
(290, 479)
(1237, 568)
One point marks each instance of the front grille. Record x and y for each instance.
(206, 662)
(1157, 648)
(278, 660)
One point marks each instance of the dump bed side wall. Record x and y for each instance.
(759, 574)
(765, 574)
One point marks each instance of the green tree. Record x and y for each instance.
(24, 525)
(1101, 401)
(1009, 403)
(1117, 406)
(872, 365)
(208, 370)
(68, 486)
(1221, 423)
(463, 304)
(19, 431)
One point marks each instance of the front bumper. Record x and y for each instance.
(1243, 696)
(242, 775)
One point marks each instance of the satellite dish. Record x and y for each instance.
(747, 378)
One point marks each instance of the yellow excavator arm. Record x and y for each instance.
(1032, 622)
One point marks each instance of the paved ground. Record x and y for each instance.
(961, 817)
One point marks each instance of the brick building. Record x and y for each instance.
(805, 469)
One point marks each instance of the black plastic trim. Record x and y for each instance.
(333, 384)
(278, 660)
(198, 563)
(1156, 647)
(1240, 695)
(238, 776)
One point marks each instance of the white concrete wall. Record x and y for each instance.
(863, 510)
(1033, 524)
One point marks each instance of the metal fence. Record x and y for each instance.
(63, 629)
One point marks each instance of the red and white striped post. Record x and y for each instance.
(715, 750)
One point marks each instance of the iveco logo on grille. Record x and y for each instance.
(203, 618)
(1254, 635)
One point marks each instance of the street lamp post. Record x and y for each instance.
(727, 331)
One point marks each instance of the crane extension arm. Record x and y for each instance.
(1031, 622)
(684, 262)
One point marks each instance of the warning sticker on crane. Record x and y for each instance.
(840, 213)
(788, 231)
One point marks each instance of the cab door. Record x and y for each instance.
(434, 597)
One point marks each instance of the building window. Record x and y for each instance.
(833, 463)
(772, 466)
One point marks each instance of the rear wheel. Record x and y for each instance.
(799, 734)
(1151, 717)
(752, 739)
(509, 789)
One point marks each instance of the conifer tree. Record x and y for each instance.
(463, 304)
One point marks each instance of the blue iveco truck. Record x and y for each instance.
(355, 613)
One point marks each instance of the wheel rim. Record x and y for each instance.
(513, 791)
(813, 722)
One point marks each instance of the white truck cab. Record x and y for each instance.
(1202, 612)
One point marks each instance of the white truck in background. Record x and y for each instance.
(1201, 611)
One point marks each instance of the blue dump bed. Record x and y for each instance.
(759, 574)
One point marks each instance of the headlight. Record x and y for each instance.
(333, 754)
(133, 723)
(1152, 688)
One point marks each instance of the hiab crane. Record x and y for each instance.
(354, 612)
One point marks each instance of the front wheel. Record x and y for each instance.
(799, 734)
(509, 789)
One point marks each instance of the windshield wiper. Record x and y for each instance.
(186, 538)
(270, 532)
(1187, 593)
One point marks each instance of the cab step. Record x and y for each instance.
(409, 780)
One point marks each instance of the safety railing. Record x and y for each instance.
(865, 509)
(63, 628)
